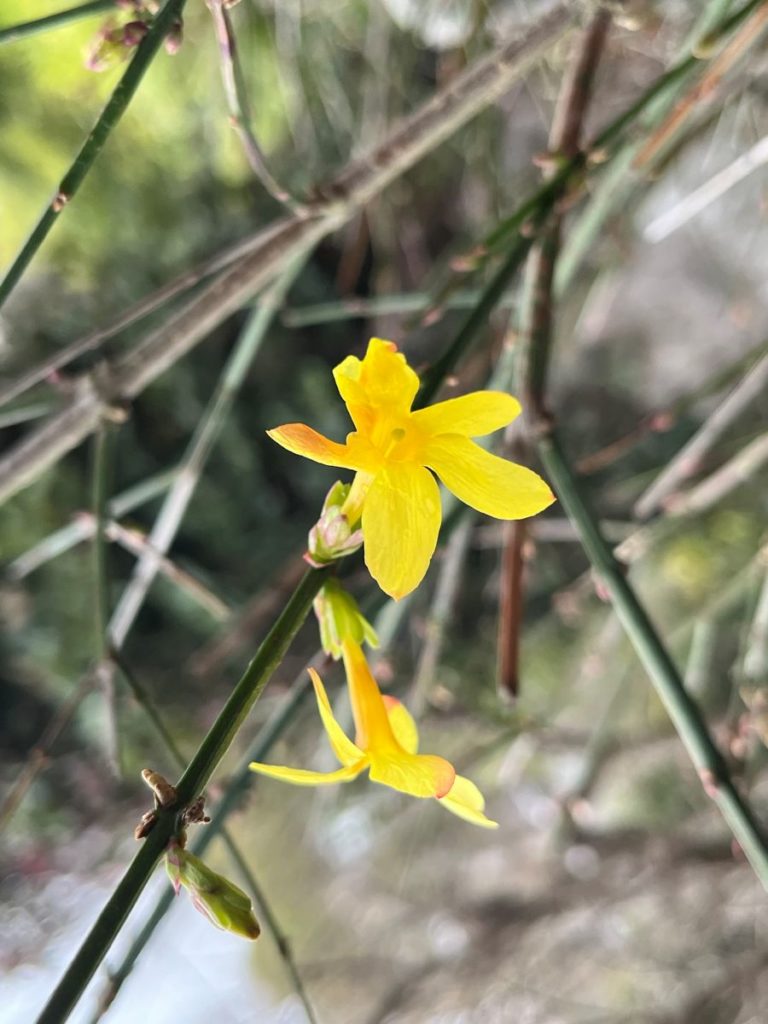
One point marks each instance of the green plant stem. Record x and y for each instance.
(107, 121)
(65, 538)
(605, 142)
(233, 797)
(478, 318)
(11, 33)
(619, 179)
(100, 489)
(682, 709)
(264, 909)
(518, 231)
(191, 784)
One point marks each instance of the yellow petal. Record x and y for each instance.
(342, 745)
(492, 485)
(302, 777)
(368, 708)
(303, 440)
(419, 775)
(473, 415)
(466, 800)
(383, 380)
(402, 723)
(401, 521)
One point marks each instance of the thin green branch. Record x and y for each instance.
(611, 189)
(477, 320)
(101, 473)
(65, 538)
(198, 451)
(381, 305)
(387, 624)
(234, 794)
(663, 673)
(191, 784)
(610, 143)
(107, 121)
(239, 107)
(264, 909)
(10, 33)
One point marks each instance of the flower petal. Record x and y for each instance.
(368, 708)
(383, 380)
(302, 777)
(342, 745)
(401, 521)
(473, 415)
(303, 440)
(402, 724)
(466, 800)
(492, 485)
(419, 775)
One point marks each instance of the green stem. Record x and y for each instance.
(100, 489)
(108, 119)
(570, 169)
(478, 318)
(236, 789)
(28, 28)
(263, 906)
(191, 784)
(682, 709)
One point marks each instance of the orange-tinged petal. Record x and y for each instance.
(303, 440)
(383, 380)
(466, 800)
(492, 485)
(473, 415)
(341, 744)
(401, 521)
(302, 777)
(419, 775)
(402, 724)
(368, 708)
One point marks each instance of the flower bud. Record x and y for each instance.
(340, 619)
(222, 902)
(332, 536)
(175, 38)
(134, 32)
(107, 49)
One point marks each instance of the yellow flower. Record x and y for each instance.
(386, 743)
(392, 451)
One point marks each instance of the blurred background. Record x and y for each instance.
(611, 891)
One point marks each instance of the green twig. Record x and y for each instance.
(664, 675)
(11, 33)
(198, 451)
(100, 489)
(478, 318)
(264, 910)
(108, 120)
(611, 190)
(191, 784)
(65, 538)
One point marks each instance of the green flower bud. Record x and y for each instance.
(222, 902)
(340, 619)
(332, 535)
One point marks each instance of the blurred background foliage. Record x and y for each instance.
(611, 892)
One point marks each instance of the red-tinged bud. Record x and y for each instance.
(175, 38)
(107, 50)
(332, 535)
(134, 32)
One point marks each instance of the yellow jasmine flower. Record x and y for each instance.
(392, 451)
(386, 743)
